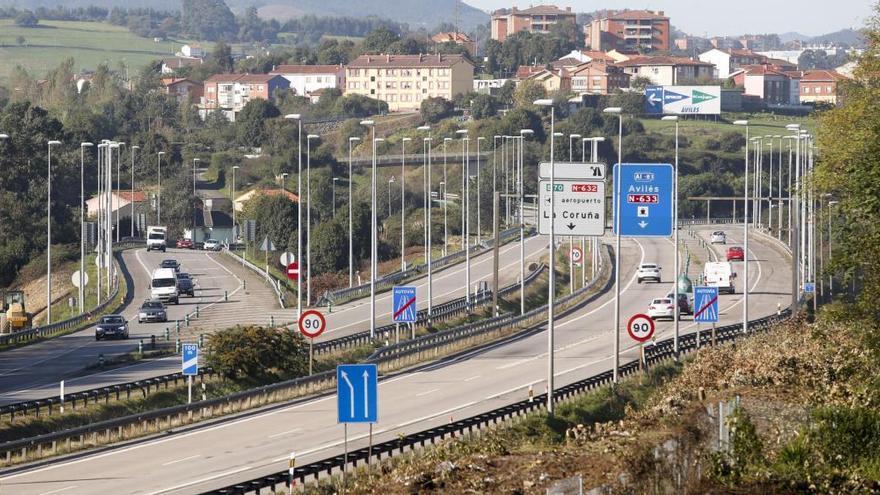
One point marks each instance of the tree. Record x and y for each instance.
(484, 106)
(434, 109)
(26, 19)
(276, 217)
(222, 57)
(329, 247)
(640, 83)
(257, 352)
(527, 92)
(250, 123)
(732, 141)
(379, 41)
(208, 20)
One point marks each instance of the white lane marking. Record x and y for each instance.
(427, 392)
(516, 363)
(202, 480)
(288, 432)
(182, 460)
(472, 378)
(60, 490)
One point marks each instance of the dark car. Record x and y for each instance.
(185, 285)
(171, 264)
(152, 310)
(684, 303)
(111, 326)
(185, 244)
(735, 254)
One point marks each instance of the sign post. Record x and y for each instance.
(291, 465)
(190, 366)
(706, 309)
(357, 400)
(312, 324)
(640, 328)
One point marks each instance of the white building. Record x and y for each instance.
(192, 51)
(667, 71)
(728, 61)
(304, 79)
(488, 86)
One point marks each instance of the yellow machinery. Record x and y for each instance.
(14, 316)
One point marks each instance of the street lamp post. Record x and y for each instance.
(131, 217)
(426, 199)
(522, 221)
(465, 212)
(571, 139)
(159, 188)
(298, 118)
(674, 118)
(428, 143)
(195, 160)
(745, 321)
(402, 202)
(794, 211)
(551, 289)
(445, 200)
(99, 215)
(335, 180)
(118, 186)
(495, 139)
(82, 224)
(619, 112)
(372, 125)
(309, 217)
(391, 181)
(49, 234)
(479, 202)
(234, 225)
(350, 221)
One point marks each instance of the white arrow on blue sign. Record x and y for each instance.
(190, 360)
(809, 287)
(357, 393)
(646, 209)
(706, 304)
(654, 99)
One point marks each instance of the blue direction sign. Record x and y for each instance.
(357, 393)
(654, 99)
(706, 304)
(809, 287)
(646, 209)
(190, 360)
(403, 305)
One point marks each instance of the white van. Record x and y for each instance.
(720, 274)
(156, 238)
(163, 285)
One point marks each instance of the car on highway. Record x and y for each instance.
(111, 326)
(169, 263)
(718, 237)
(163, 285)
(661, 307)
(735, 253)
(212, 245)
(685, 306)
(185, 285)
(152, 310)
(648, 271)
(185, 244)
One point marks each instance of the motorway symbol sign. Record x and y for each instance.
(357, 393)
(640, 327)
(654, 99)
(74, 279)
(706, 304)
(809, 287)
(578, 204)
(293, 271)
(403, 305)
(312, 323)
(571, 170)
(190, 360)
(286, 258)
(646, 209)
(577, 255)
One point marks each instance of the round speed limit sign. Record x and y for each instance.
(576, 255)
(312, 323)
(640, 327)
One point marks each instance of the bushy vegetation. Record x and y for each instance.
(258, 352)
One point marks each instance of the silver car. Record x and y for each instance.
(152, 310)
(718, 237)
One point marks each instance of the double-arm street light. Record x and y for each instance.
(82, 224)
(49, 233)
(745, 319)
(465, 211)
(372, 125)
(446, 140)
(350, 221)
(479, 202)
(522, 221)
(676, 268)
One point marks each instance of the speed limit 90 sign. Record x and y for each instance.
(640, 327)
(312, 323)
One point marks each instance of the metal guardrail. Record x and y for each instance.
(270, 280)
(77, 321)
(346, 294)
(661, 351)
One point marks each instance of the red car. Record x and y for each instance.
(735, 254)
(184, 244)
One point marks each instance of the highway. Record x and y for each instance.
(216, 455)
(34, 371)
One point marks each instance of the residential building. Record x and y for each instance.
(725, 43)
(183, 89)
(229, 93)
(457, 38)
(791, 56)
(668, 71)
(598, 78)
(538, 19)
(772, 86)
(628, 30)
(489, 86)
(171, 65)
(241, 200)
(820, 86)
(727, 61)
(567, 63)
(526, 71)
(403, 81)
(193, 50)
(691, 44)
(584, 56)
(304, 79)
(553, 80)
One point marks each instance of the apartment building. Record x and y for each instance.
(820, 86)
(667, 71)
(306, 79)
(538, 19)
(183, 89)
(771, 85)
(403, 81)
(229, 93)
(598, 78)
(628, 31)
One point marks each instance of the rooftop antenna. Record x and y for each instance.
(456, 13)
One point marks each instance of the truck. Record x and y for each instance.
(156, 235)
(720, 274)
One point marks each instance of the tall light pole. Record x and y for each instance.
(619, 112)
(350, 220)
(428, 143)
(99, 218)
(402, 202)
(522, 222)
(571, 139)
(479, 202)
(298, 118)
(830, 238)
(234, 225)
(674, 118)
(445, 200)
(82, 224)
(466, 211)
(745, 321)
(309, 217)
(373, 265)
(779, 204)
(49, 234)
(495, 139)
(794, 209)
(551, 289)
(426, 200)
(159, 187)
(118, 185)
(335, 180)
(195, 160)
(391, 181)
(131, 186)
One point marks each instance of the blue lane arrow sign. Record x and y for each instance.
(357, 393)
(654, 99)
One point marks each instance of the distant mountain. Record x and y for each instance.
(793, 36)
(849, 37)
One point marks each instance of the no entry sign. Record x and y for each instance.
(293, 271)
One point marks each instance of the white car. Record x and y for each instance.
(718, 237)
(648, 271)
(212, 245)
(661, 307)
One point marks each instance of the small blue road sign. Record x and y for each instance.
(190, 360)
(654, 99)
(357, 393)
(809, 287)
(706, 304)
(403, 305)
(646, 208)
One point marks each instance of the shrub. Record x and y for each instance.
(258, 352)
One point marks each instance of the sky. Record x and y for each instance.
(698, 17)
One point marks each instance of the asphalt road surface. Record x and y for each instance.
(259, 444)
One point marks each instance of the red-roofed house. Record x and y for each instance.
(598, 78)
(553, 80)
(628, 30)
(772, 86)
(667, 71)
(457, 38)
(537, 19)
(244, 198)
(820, 86)
(173, 64)
(118, 201)
(304, 79)
(183, 89)
(229, 93)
